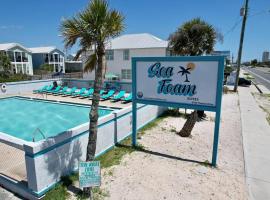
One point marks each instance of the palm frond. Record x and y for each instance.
(90, 63)
(79, 53)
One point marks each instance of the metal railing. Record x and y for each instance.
(37, 130)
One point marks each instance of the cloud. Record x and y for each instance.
(11, 27)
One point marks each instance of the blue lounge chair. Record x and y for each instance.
(41, 89)
(127, 99)
(48, 89)
(57, 89)
(101, 92)
(78, 93)
(107, 96)
(64, 89)
(88, 94)
(70, 92)
(119, 96)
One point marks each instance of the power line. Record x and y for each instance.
(239, 20)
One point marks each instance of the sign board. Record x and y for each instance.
(193, 82)
(89, 174)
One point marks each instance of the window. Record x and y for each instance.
(24, 57)
(126, 73)
(126, 54)
(11, 56)
(51, 57)
(18, 56)
(109, 55)
(55, 57)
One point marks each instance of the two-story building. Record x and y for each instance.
(120, 50)
(20, 57)
(48, 55)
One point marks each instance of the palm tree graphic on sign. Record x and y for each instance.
(186, 71)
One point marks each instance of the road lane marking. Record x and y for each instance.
(259, 76)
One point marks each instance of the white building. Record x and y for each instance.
(20, 57)
(120, 50)
(265, 56)
(48, 55)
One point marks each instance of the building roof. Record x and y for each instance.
(48, 49)
(137, 41)
(7, 46)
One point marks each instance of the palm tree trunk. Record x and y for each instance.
(93, 115)
(189, 124)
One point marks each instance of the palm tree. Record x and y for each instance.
(195, 37)
(92, 28)
(184, 71)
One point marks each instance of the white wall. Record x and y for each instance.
(119, 63)
(22, 87)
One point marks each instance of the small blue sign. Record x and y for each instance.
(89, 174)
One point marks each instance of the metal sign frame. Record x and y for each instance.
(216, 108)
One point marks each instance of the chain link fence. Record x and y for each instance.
(12, 162)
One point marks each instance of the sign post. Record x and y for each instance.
(89, 174)
(192, 82)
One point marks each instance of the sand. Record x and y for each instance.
(169, 169)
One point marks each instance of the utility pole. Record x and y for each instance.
(241, 46)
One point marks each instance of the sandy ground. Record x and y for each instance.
(169, 169)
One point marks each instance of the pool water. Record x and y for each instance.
(20, 117)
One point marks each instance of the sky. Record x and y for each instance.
(36, 22)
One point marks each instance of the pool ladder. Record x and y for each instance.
(38, 131)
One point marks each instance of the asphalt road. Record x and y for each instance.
(261, 75)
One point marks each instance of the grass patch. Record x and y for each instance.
(249, 77)
(98, 194)
(267, 114)
(57, 193)
(206, 163)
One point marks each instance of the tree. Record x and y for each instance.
(92, 28)
(254, 62)
(195, 37)
(5, 65)
(46, 67)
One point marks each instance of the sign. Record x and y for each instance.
(193, 82)
(89, 174)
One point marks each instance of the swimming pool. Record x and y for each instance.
(20, 117)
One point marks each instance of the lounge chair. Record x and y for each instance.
(57, 89)
(64, 89)
(78, 93)
(101, 93)
(107, 96)
(127, 99)
(88, 94)
(41, 89)
(50, 88)
(118, 96)
(70, 92)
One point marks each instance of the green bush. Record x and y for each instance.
(14, 78)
